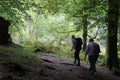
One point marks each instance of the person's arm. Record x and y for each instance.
(87, 51)
(73, 44)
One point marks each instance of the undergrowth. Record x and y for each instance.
(18, 61)
(62, 52)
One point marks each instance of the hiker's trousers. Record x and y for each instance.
(92, 60)
(76, 54)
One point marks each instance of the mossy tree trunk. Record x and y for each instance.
(4, 35)
(84, 32)
(112, 56)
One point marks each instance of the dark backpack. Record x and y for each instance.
(79, 41)
(96, 48)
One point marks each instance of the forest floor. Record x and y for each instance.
(62, 69)
(54, 68)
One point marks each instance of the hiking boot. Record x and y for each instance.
(93, 75)
(74, 62)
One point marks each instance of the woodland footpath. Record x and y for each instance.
(23, 67)
(62, 69)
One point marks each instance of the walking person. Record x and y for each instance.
(76, 45)
(92, 50)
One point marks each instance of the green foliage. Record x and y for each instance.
(17, 11)
(65, 52)
(47, 47)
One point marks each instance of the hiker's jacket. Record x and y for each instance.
(89, 48)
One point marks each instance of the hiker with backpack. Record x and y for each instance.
(76, 45)
(92, 50)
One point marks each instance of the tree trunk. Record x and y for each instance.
(84, 32)
(5, 38)
(112, 56)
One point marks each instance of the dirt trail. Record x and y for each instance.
(61, 69)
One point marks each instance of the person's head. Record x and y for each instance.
(73, 36)
(91, 40)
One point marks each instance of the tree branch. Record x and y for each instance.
(75, 1)
(67, 31)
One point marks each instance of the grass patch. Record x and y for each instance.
(18, 61)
